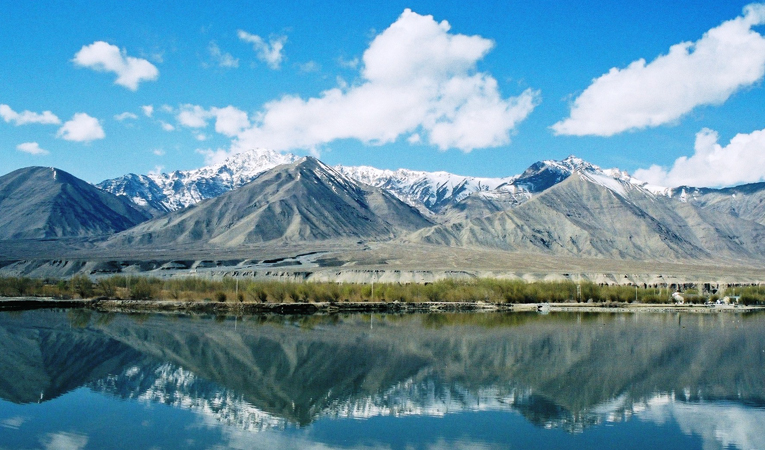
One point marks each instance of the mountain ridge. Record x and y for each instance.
(587, 216)
(567, 207)
(45, 202)
(304, 201)
(165, 192)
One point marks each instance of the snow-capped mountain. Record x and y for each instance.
(166, 192)
(544, 174)
(430, 192)
(437, 191)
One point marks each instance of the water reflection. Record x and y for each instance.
(288, 378)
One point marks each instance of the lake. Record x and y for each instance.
(78, 379)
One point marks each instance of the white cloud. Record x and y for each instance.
(192, 116)
(159, 152)
(229, 121)
(27, 117)
(417, 77)
(33, 148)
(269, 52)
(706, 72)
(124, 116)
(104, 57)
(200, 137)
(166, 126)
(213, 156)
(81, 128)
(222, 59)
(741, 161)
(148, 110)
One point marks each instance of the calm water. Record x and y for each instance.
(74, 380)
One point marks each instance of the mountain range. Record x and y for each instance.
(568, 207)
(302, 201)
(165, 192)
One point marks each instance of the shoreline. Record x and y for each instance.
(149, 306)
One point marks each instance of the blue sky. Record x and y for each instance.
(387, 84)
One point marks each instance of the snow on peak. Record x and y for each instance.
(428, 191)
(182, 188)
(424, 190)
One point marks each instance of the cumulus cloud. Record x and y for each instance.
(166, 126)
(148, 110)
(124, 116)
(192, 116)
(741, 161)
(706, 72)
(81, 128)
(416, 77)
(221, 58)
(104, 57)
(27, 117)
(269, 52)
(33, 148)
(229, 121)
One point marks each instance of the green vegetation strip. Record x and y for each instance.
(244, 291)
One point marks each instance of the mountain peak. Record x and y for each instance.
(430, 192)
(45, 202)
(171, 191)
(303, 201)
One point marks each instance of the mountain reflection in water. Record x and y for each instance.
(571, 372)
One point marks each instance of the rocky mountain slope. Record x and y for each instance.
(590, 214)
(567, 207)
(746, 201)
(430, 192)
(303, 201)
(43, 202)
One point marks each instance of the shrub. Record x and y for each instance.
(257, 293)
(82, 286)
(142, 289)
(107, 287)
